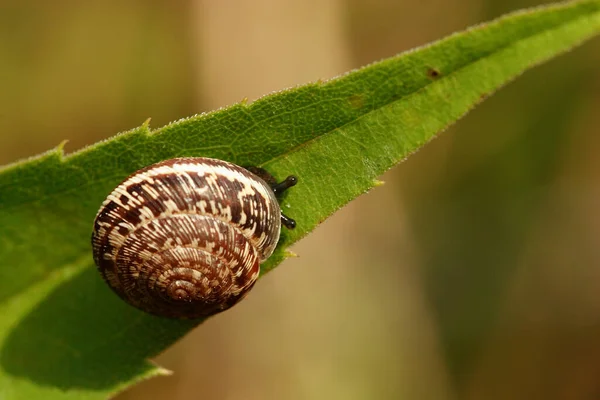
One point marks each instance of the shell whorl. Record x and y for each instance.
(184, 238)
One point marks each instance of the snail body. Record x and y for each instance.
(184, 238)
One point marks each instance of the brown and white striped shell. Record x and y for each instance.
(184, 238)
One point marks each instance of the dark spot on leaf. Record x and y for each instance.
(356, 101)
(433, 73)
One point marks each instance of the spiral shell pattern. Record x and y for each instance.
(184, 238)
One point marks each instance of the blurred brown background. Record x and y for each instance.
(474, 273)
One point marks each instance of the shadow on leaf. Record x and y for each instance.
(83, 336)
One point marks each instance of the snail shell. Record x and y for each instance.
(184, 238)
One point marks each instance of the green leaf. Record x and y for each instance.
(65, 335)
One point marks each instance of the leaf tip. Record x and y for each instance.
(158, 370)
(60, 149)
(152, 371)
(290, 254)
(162, 371)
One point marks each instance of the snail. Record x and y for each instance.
(184, 238)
